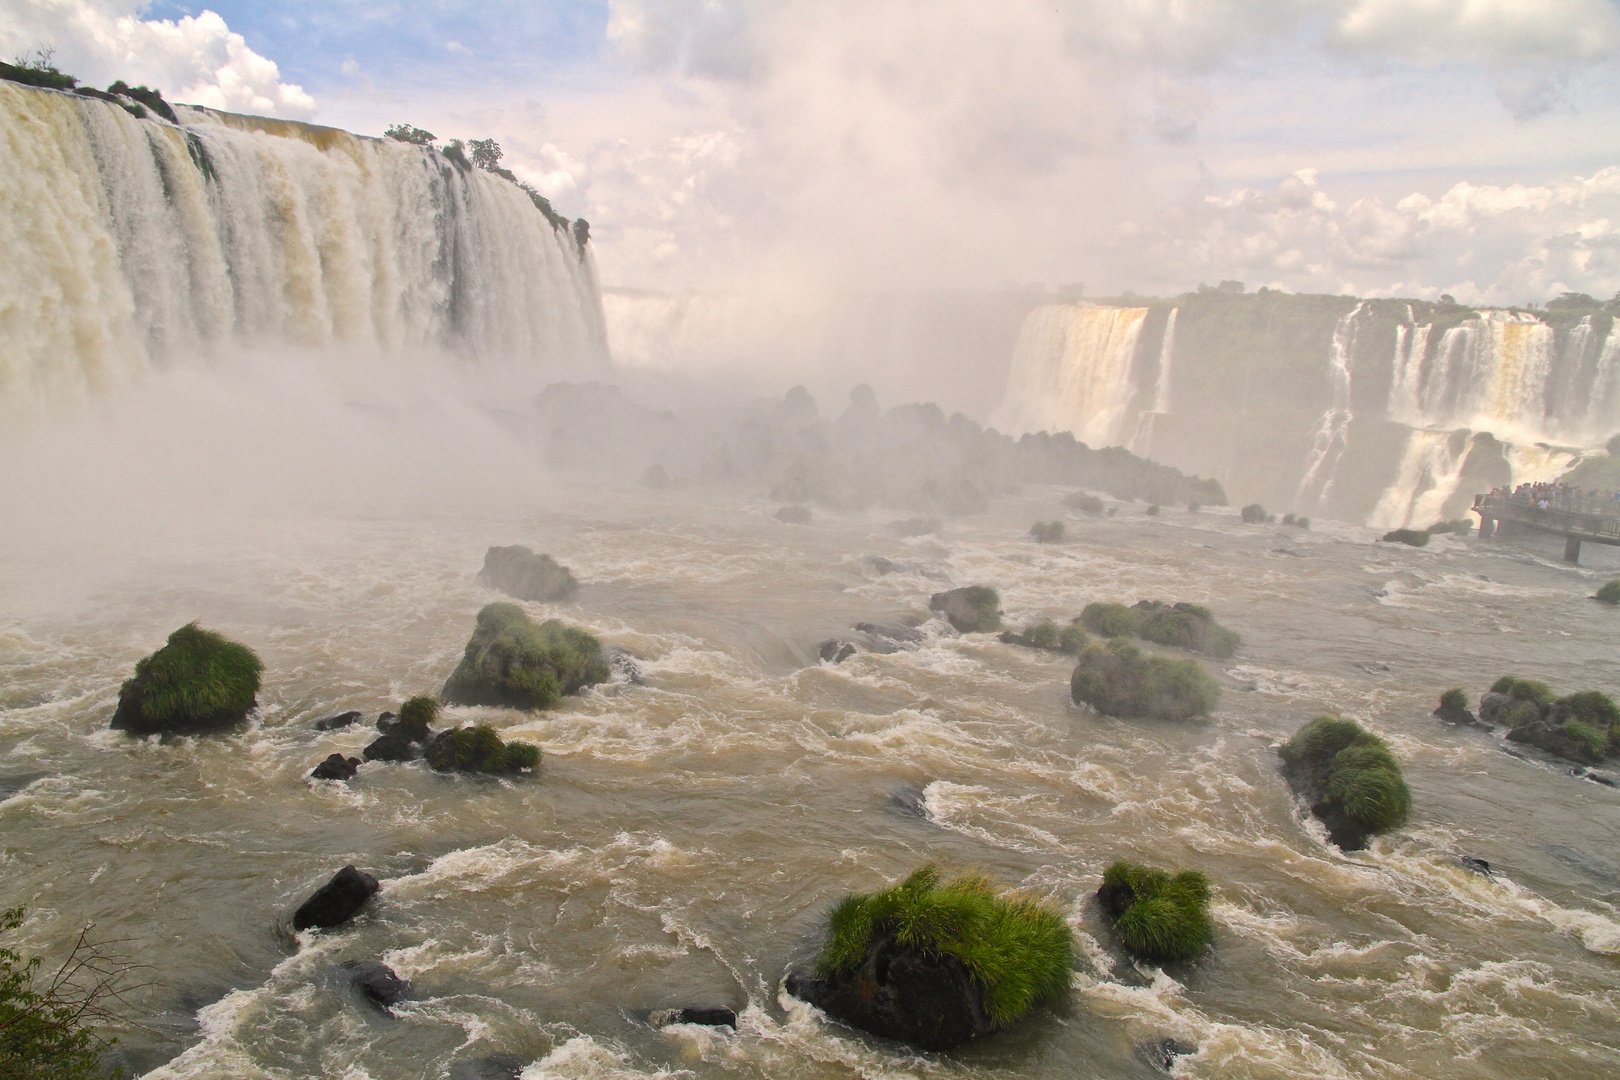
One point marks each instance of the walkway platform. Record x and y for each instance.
(1575, 527)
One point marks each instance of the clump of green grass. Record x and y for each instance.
(1048, 635)
(479, 749)
(972, 609)
(1163, 919)
(1351, 774)
(1454, 700)
(518, 571)
(1018, 947)
(1108, 619)
(417, 714)
(511, 660)
(1524, 690)
(1610, 593)
(1119, 679)
(198, 679)
(1185, 626)
(1086, 504)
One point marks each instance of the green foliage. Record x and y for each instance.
(37, 72)
(518, 571)
(1118, 679)
(1043, 635)
(421, 711)
(1592, 707)
(1524, 690)
(1185, 626)
(407, 133)
(1046, 532)
(1108, 619)
(512, 661)
(1017, 947)
(151, 99)
(479, 749)
(44, 1023)
(1072, 639)
(1167, 919)
(1454, 700)
(1046, 634)
(198, 678)
(1363, 780)
(1520, 713)
(1410, 537)
(1610, 593)
(1255, 514)
(456, 155)
(1086, 504)
(1591, 740)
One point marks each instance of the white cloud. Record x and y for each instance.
(1481, 30)
(197, 59)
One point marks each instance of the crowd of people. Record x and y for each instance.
(1553, 496)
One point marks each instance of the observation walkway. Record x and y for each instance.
(1574, 526)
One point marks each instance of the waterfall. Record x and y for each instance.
(1427, 476)
(1333, 429)
(1142, 442)
(1071, 371)
(139, 244)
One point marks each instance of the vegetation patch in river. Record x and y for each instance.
(479, 749)
(1118, 679)
(1159, 918)
(198, 681)
(511, 660)
(1353, 783)
(1583, 727)
(1049, 636)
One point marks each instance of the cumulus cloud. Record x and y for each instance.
(196, 59)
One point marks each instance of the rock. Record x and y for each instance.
(517, 571)
(377, 982)
(11, 785)
(336, 767)
(383, 719)
(392, 747)
(704, 1015)
(479, 749)
(1549, 738)
(1454, 710)
(199, 681)
(403, 737)
(929, 1001)
(973, 609)
(1184, 626)
(493, 1067)
(336, 902)
(834, 651)
(880, 565)
(1477, 866)
(1159, 918)
(1491, 706)
(341, 720)
(1161, 1054)
(1410, 537)
(1602, 778)
(888, 639)
(624, 666)
(1350, 779)
(513, 661)
(794, 515)
(911, 800)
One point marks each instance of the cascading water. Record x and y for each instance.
(1142, 443)
(1333, 429)
(1071, 371)
(135, 244)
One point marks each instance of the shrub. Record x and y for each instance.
(1109, 620)
(1119, 679)
(1592, 707)
(418, 713)
(1524, 690)
(1072, 639)
(1086, 504)
(479, 749)
(407, 133)
(151, 99)
(38, 73)
(1018, 947)
(1610, 593)
(1411, 537)
(1296, 521)
(1152, 510)
(1590, 740)
(1351, 777)
(199, 679)
(45, 1024)
(1046, 532)
(1519, 713)
(1255, 514)
(1162, 919)
(518, 571)
(1454, 700)
(1185, 626)
(1046, 634)
(512, 661)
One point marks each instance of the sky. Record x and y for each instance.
(1376, 147)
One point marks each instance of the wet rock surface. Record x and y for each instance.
(336, 902)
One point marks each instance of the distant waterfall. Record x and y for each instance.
(134, 244)
(1071, 371)
(1142, 442)
(1332, 430)
(1426, 477)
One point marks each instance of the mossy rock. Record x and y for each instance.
(1086, 504)
(479, 749)
(1184, 626)
(1524, 690)
(1610, 593)
(1159, 918)
(973, 609)
(517, 571)
(1352, 781)
(199, 681)
(1410, 537)
(1255, 514)
(1119, 679)
(1049, 636)
(513, 661)
(1046, 532)
(1110, 620)
(936, 963)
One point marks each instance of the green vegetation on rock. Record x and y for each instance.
(1048, 635)
(479, 749)
(1184, 626)
(1255, 514)
(1119, 679)
(198, 680)
(1018, 947)
(1353, 781)
(513, 661)
(1159, 918)
(1454, 699)
(518, 571)
(1610, 593)
(40, 72)
(1524, 690)
(972, 609)
(1109, 619)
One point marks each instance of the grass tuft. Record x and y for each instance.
(1454, 700)
(479, 749)
(1119, 679)
(1610, 593)
(198, 678)
(1360, 777)
(1524, 690)
(1166, 919)
(1017, 946)
(1109, 620)
(511, 660)
(421, 711)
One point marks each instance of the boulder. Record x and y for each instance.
(479, 749)
(376, 982)
(704, 1015)
(199, 681)
(1161, 1054)
(879, 565)
(517, 571)
(1048, 636)
(625, 666)
(898, 992)
(1491, 706)
(336, 902)
(973, 609)
(1410, 537)
(512, 661)
(336, 767)
(1348, 777)
(834, 651)
(341, 720)
(403, 737)
(1476, 866)
(1454, 710)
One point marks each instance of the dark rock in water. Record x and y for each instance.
(624, 665)
(915, 527)
(1602, 778)
(1551, 738)
(341, 720)
(1477, 866)
(704, 1015)
(336, 767)
(888, 639)
(794, 515)
(493, 1067)
(382, 721)
(910, 800)
(479, 749)
(1491, 706)
(402, 738)
(929, 1001)
(336, 902)
(834, 651)
(377, 982)
(973, 609)
(392, 747)
(1161, 1054)
(10, 785)
(880, 565)
(517, 571)
(1454, 710)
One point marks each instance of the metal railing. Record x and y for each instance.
(1603, 528)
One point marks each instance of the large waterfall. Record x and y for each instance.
(1071, 371)
(134, 244)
